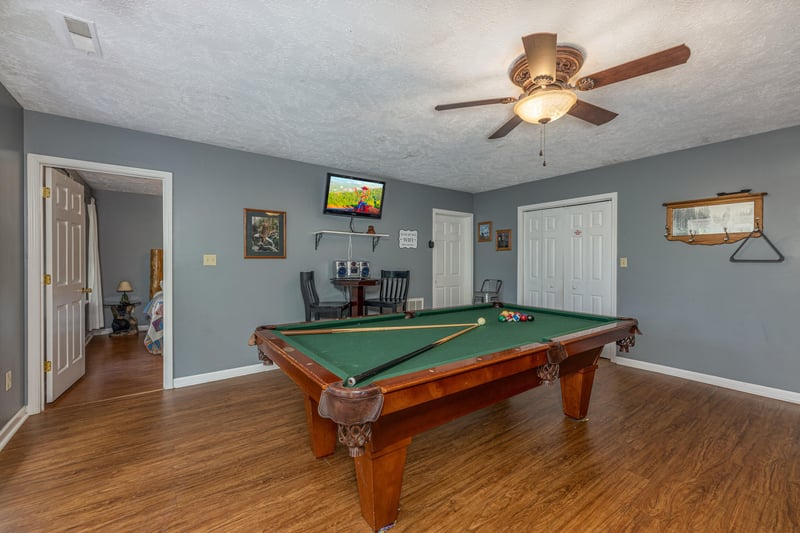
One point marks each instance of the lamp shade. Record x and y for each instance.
(542, 107)
(124, 286)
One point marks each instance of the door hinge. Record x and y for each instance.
(45, 192)
(47, 280)
(48, 366)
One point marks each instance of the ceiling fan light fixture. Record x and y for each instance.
(542, 107)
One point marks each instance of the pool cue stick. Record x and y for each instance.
(367, 330)
(352, 380)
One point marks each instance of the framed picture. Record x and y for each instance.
(503, 241)
(721, 220)
(484, 232)
(264, 234)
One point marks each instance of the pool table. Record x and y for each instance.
(376, 418)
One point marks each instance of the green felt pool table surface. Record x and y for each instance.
(347, 354)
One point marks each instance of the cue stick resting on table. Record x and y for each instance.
(323, 331)
(352, 380)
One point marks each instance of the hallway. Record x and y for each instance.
(115, 367)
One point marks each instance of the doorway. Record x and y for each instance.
(452, 258)
(567, 256)
(35, 246)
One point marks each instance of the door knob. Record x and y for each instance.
(86, 291)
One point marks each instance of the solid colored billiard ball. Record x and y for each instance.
(530, 318)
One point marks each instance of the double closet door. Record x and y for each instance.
(568, 258)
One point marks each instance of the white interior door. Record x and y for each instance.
(65, 258)
(552, 258)
(533, 279)
(452, 258)
(587, 259)
(568, 259)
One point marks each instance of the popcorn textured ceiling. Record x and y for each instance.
(352, 85)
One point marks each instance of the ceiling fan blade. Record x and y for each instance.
(445, 107)
(638, 67)
(540, 49)
(506, 128)
(591, 113)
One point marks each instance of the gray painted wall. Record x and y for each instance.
(217, 308)
(129, 225)
(12, 277)
(698, 311)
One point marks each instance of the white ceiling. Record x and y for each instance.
(352, 85)
(100, 181)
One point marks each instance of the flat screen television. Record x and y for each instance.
(353, 197)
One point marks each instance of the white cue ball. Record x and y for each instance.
(481, 321)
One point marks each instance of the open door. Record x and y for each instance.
(65, 263)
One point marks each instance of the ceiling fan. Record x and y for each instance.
(544, 72)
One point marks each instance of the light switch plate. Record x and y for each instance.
(623, 262)
(210, 260)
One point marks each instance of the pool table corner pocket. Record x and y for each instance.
(354, 410)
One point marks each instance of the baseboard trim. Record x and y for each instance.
(197, 379)
(741, 386)
(12, 426)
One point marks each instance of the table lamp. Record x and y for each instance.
(124, 287)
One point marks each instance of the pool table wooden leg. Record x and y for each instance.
(321, 431)
(576, 384)
(380, 476)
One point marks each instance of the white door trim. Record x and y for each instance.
(468, 253)
(611, 196)
(35, 264)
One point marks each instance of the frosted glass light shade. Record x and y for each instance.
(545, 106)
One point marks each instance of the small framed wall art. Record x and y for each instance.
(264, 234)
(503, 240)
(484, 232)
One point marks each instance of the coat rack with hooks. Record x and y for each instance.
(726, 219)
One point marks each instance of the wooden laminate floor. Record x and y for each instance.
(656, 454)
(115, 367)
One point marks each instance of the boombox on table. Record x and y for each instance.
(350, 269)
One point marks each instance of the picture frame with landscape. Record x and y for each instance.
(484, 231)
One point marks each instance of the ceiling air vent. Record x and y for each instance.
(79, 34)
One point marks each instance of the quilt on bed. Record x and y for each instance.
(155, 310)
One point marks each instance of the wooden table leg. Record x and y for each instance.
(356, 301)
(577, 378)
(380, 477)
(321, 431)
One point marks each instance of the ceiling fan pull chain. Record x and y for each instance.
(542, 143)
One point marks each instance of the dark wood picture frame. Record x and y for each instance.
(264, 234)
(503, 240)
(485, 231)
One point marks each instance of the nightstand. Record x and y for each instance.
(124, 314)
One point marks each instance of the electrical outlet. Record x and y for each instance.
(623, 262)
(8, 380)
(210, 260)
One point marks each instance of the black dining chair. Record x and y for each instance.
(313, 307)
(393, 292)
(490, 291)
